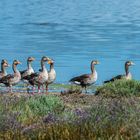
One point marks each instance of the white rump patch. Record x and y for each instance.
(76, 82)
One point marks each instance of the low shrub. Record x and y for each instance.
(125, 88)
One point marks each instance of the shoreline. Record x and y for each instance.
(113, 112)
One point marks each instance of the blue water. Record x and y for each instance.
(72, 32)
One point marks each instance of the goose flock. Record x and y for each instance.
(29, 76)
(44, 77)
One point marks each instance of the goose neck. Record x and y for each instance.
(29, 65)
(126, 69)
(92, 68)
(3, 69)
(43, 66)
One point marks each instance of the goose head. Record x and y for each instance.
(30, 59)
(16, 62)
(50, 61)
(129, 63)
(4, 63)
(95, 62)
(45, 58)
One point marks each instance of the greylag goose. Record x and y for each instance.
(29, 69)
(39, 78)
(51, 74)
(86, 79)
(127, 74)
(4, 65)
(12, 79)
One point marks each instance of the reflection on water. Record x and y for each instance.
(72, 33)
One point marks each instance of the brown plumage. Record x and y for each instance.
(29, 69)
(12, 79)
(127, 74)
(51, 74)
(86, 79)
(39, 78)
(4, 65)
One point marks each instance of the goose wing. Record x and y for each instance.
(33, 75)
(1, 74)
(6, 78)
(32, 78)
(80, 79)
(118, 77)
(22, 72)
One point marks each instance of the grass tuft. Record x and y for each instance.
(125, 88)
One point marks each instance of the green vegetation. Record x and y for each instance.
(30, 107)
(114, 113)
(121, 88)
